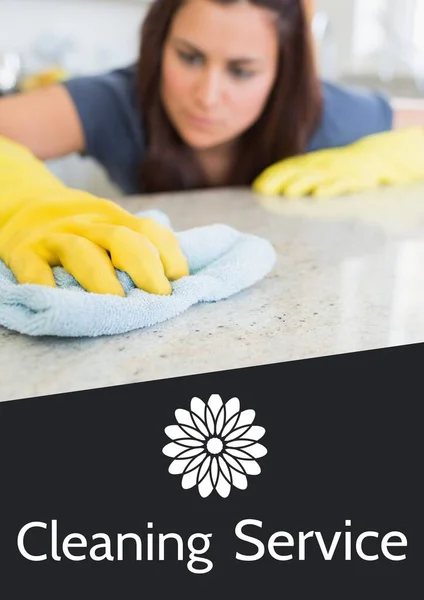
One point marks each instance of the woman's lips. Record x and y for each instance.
(202, 122)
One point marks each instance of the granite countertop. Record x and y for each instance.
(349, 277)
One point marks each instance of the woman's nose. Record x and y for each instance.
(209, 88)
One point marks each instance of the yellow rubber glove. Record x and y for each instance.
(389, 158)
(43, 224)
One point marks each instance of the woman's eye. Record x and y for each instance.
(241, 73)
(190, 59)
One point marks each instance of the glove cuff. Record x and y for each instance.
(23, 178)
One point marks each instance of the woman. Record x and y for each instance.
(222, 90)
(231, 98)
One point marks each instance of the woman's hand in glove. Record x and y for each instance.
(45, 224)
(390, 158)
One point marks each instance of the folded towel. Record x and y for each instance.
(222, 260)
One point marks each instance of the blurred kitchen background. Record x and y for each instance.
(373, 43)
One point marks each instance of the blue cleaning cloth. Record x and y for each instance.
(222, 262)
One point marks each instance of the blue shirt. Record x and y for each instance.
(112, 125)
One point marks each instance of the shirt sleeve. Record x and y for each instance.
(106, 105)
(350, 114)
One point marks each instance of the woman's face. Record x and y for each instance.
(219, 66)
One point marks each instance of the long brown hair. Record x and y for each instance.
(288, 120)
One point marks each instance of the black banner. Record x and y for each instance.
(279, 481)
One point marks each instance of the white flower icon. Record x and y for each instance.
(214, 446)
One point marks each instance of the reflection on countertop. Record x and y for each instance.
(349, 277)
